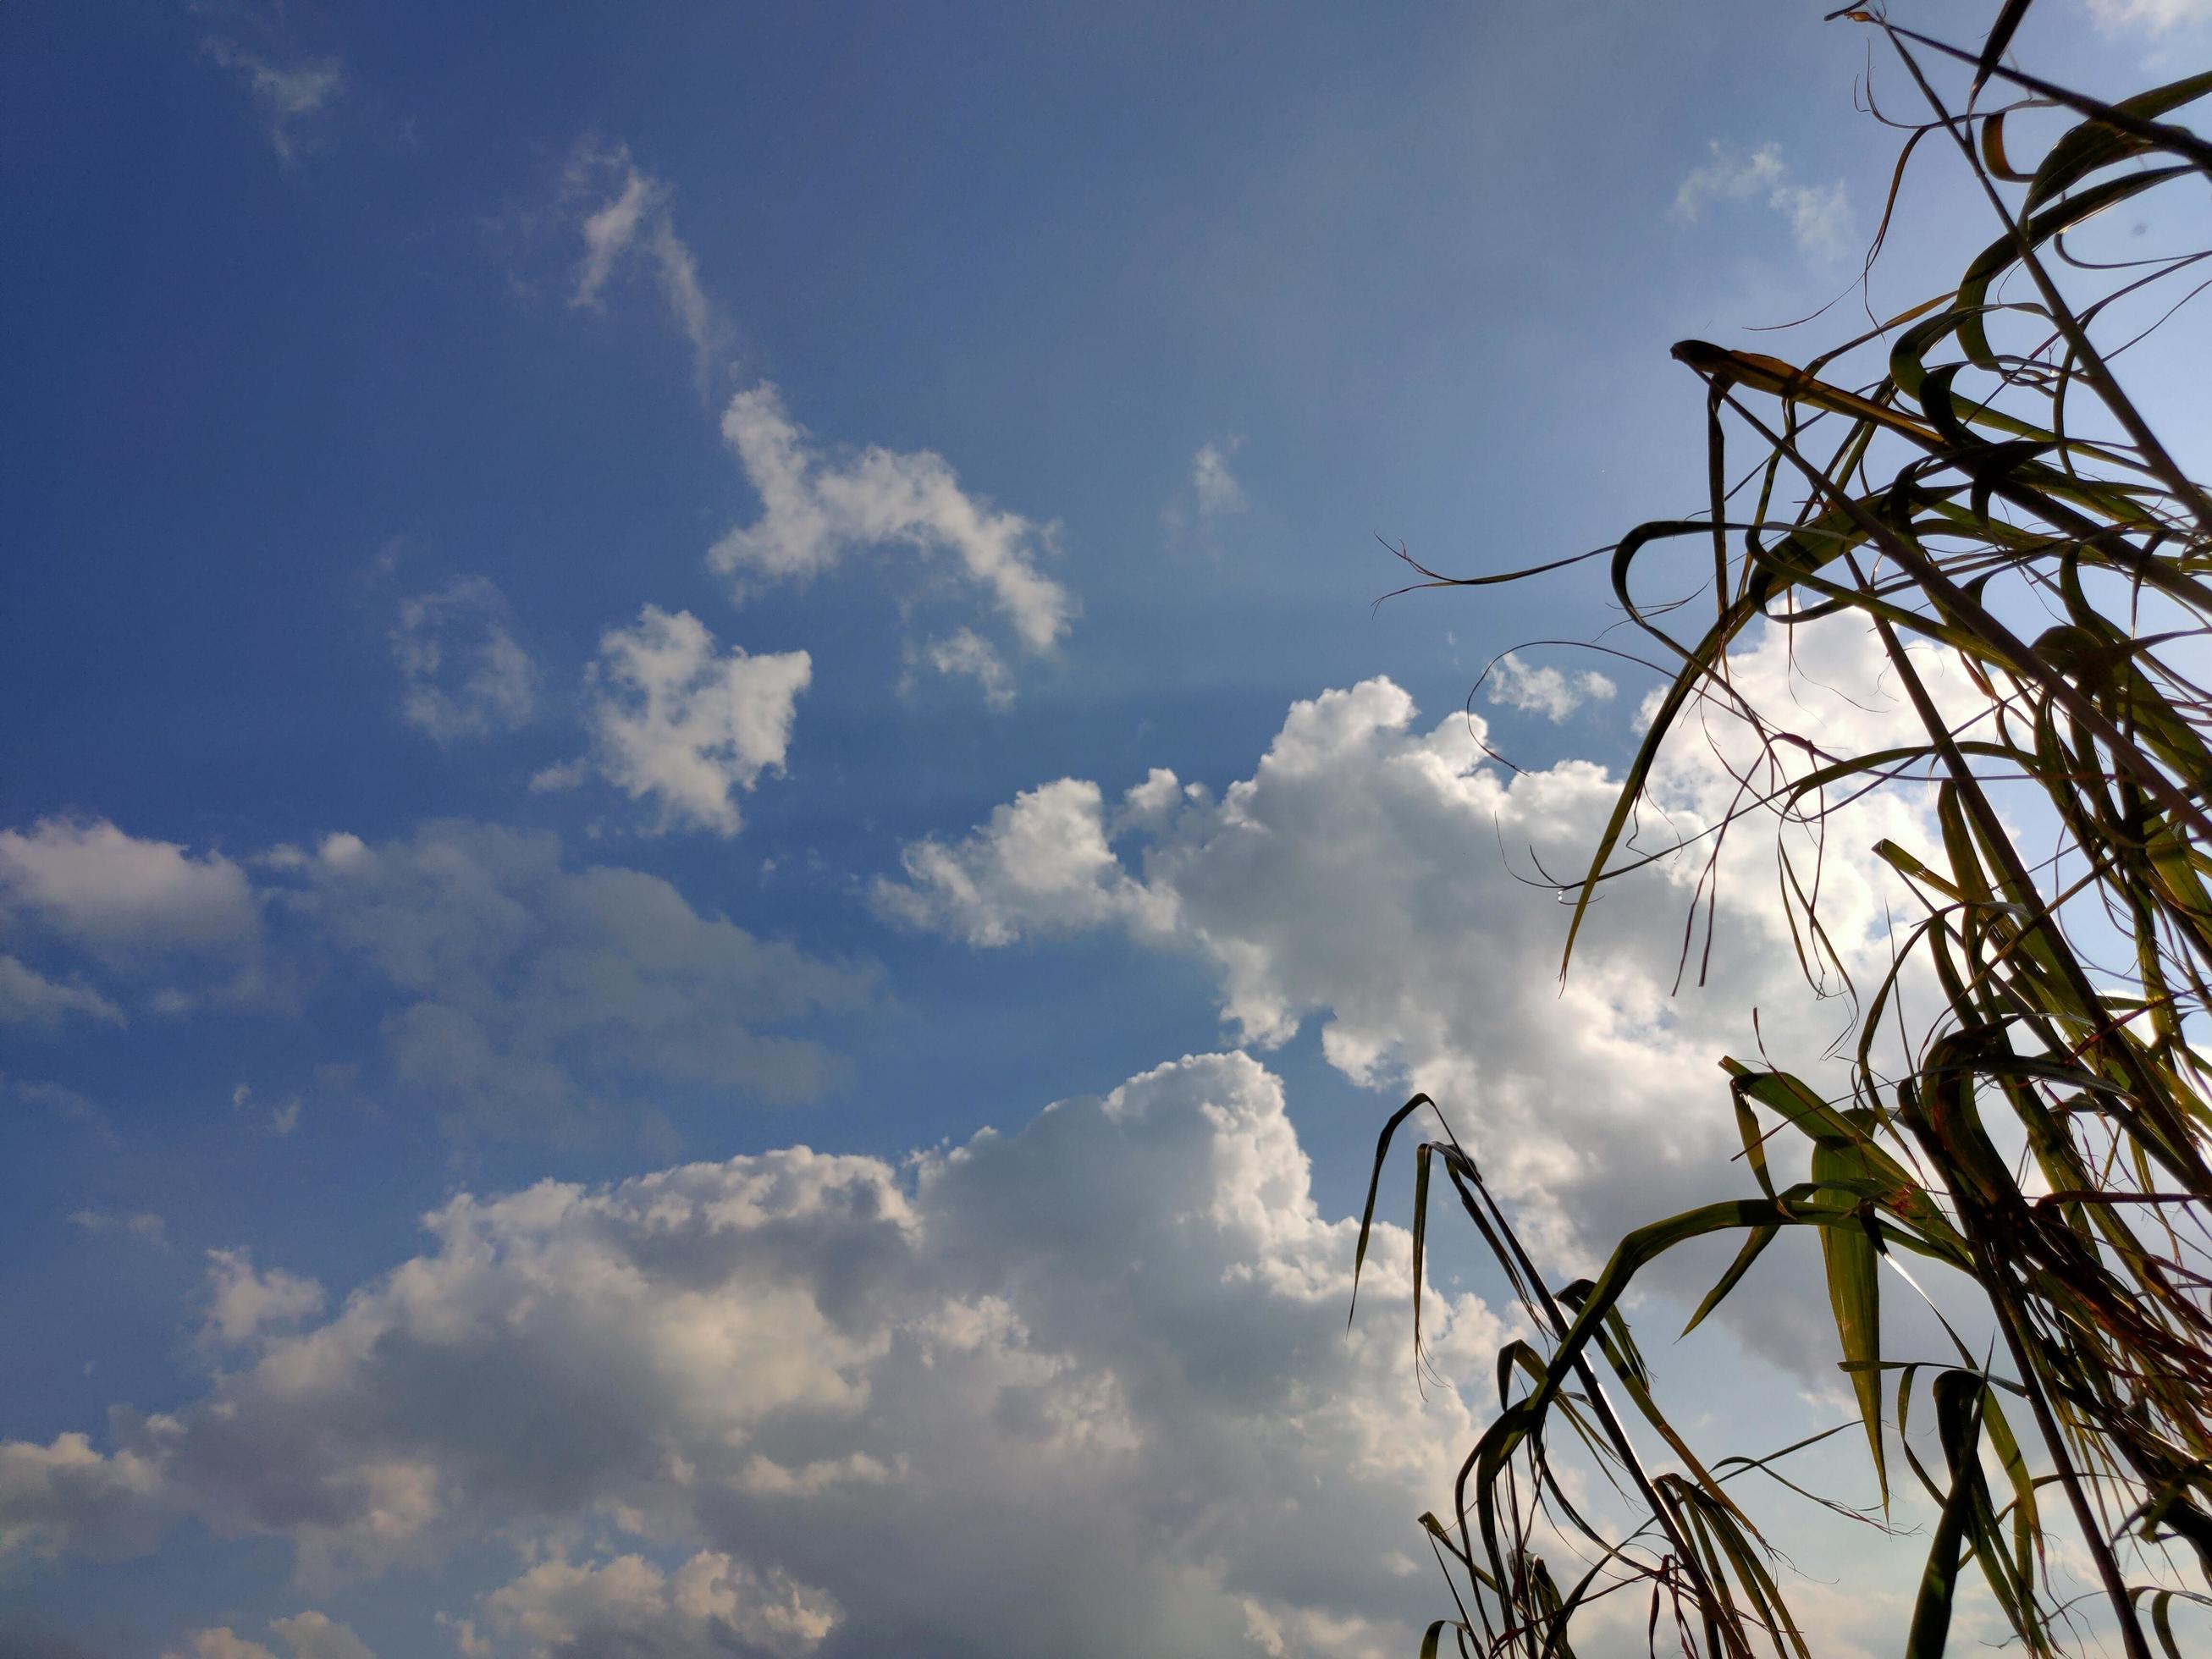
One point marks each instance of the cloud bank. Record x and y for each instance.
(801, 1403)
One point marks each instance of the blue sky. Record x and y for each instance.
(599, 597)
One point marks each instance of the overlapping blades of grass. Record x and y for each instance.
(2047, 1140)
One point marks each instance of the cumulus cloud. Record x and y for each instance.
(1041, 865)
(462, 672)
(711, 1604)
(121, 896)
(623, 214)
(830, 1403)
(816, 509)
(67, 1495)
(244, 1303)
(291, 95)
(673, 721)
(1365, 874)
(1544, 690)
(534, 997)
(1819, 216)
(307, 1635)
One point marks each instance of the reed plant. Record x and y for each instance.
(1970, 478)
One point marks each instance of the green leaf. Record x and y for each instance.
(1855, 1296)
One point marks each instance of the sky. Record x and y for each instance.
(713, 864)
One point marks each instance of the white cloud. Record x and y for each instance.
(632, 220)
(282, 1119)
(119, 896)
(671, 721)
(2156, 15)
(1213, 493)
(308, 1635)
(711, 1604)
(67, 1103)
(289, 94)
(142, 1226)
(1041, 865)
(66, 1496)
(243, 1304)
(1544, 690)
(222, 1642)
(1213, 484)
(974, 1404)
(535, 998)
(462, 672)
(1365, 874)
(29, 998)
(816, 509)
(1819, 216)
(524, 998)
(968, 654)
(313, 1635)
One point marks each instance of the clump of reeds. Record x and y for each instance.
(1986, 490)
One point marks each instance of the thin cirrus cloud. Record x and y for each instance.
(676, 722)
(809, 1404)
(1819, 216)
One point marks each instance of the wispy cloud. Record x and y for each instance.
(27, 997)
(289, 94)
(463, 673)
(1213, 484)
(966, 654)
(623, 214)
(141, 1224)
(2158, 16)
(1819, 216)
(1213, 492)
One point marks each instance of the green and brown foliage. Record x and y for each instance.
(1969, 477)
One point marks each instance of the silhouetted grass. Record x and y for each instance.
(1988, 467)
